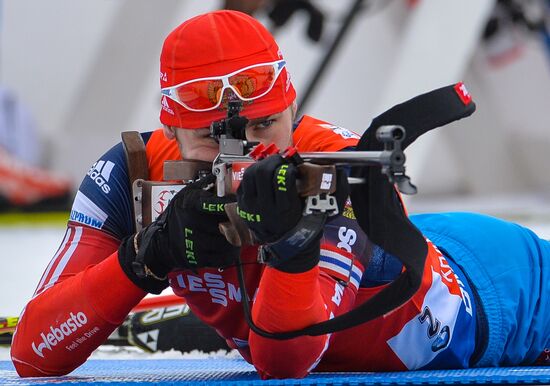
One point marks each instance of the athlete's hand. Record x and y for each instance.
(269, 203)
(185, 236)
(268, 200)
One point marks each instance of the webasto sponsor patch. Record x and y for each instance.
(57, 334)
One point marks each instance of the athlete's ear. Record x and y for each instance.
(169, 132)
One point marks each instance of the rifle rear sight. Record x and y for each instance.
(230, 132)
(233, 126)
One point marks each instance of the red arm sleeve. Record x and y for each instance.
(287, 302)
(82, 297)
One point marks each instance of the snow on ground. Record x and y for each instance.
(114, 352)
(124, 353)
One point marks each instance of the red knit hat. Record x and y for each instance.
(218, 43)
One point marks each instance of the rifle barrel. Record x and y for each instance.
(355, 180)
(349, 157)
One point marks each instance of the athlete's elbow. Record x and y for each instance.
(293, 358)
(25, 369)
(29, 368)
(29, 361)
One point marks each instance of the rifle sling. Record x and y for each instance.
(418, 115)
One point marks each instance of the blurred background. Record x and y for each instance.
(75, 74)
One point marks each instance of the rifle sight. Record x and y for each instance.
(233, 126)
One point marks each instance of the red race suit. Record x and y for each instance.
(84, 295)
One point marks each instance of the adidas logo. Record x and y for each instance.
(100, 173)
(166, 106)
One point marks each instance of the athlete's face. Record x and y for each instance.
(197, 144)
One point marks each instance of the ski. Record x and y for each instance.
(157, 323)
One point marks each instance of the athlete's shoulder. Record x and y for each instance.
(312, 134)
(103, 200)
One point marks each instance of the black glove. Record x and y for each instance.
(268, 200)
(270, 205)
(185, 236)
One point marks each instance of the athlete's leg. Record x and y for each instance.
(509, 266)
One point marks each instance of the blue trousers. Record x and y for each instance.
(509, 267)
